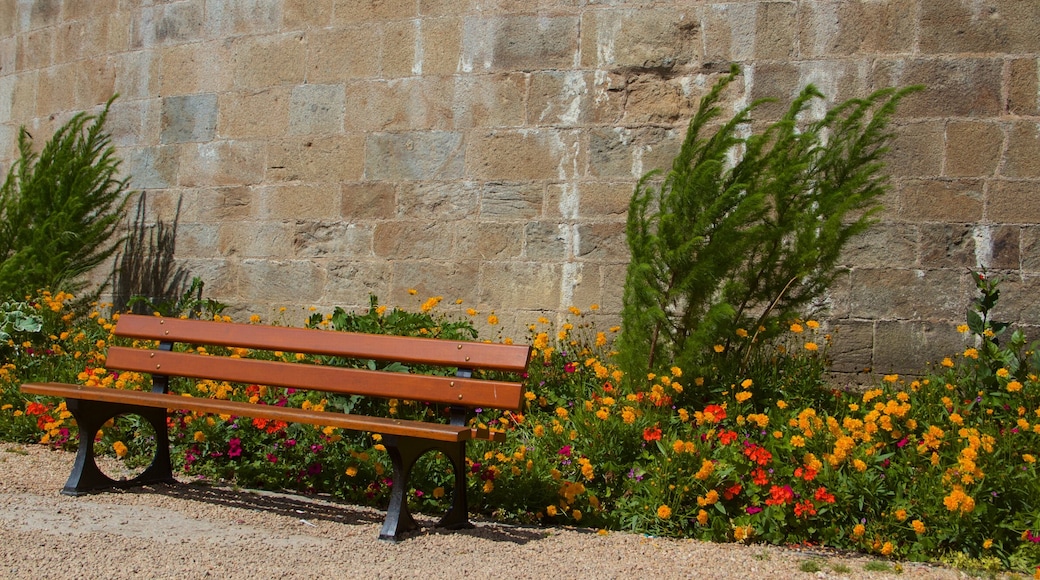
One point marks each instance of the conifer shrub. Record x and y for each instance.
(60, 209)
(744, 231)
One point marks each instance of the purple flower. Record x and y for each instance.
(234, 447)
(753, 510)
(565, 451)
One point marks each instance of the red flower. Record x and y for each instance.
(759, 476)
(759, 455)
(34, 408)
(569, 368)
(806, 473)
(732, 491)
(727, 437)
(716, 411)
(780, 495)
(804, 508)
(652, 433)
(822, 495)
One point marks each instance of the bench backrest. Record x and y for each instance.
(415, 351)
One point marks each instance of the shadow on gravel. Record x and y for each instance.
(263, 501)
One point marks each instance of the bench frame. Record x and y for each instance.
(405, 440)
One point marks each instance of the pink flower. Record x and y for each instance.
(569, 368)
(565, 451)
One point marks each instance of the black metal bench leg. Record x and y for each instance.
(90, 416)
(457, 517)
(403, 452)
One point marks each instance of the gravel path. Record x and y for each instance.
(186, 531)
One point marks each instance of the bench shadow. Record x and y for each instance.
(328, 510)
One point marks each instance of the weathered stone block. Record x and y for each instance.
(1002, 252)
(410, 104)
(917, 149)
(641, 39)
(35, 49)
(453, 279)
(520, 285)
(882, 245)
(400, 50)
(194, 68)
(339, 54)
(172, 23)
(489, 241)
(219, 204)
(948, 246)
(998, 26)
(508, 202)
(57, 90)
(1019, 303)
(437, 200)
(152, 167)
(8, 18)
(518, 42)
(414, 240)
(559, 98)
(729, 32)
(317, 239)
(1023, 152)
(317, 109)
(597, 199)
(298, 14)
(365, 201)
(1014, 202)
(263, 239)
(602, 242)
(1023, 91)
(1030, 240)
(221, 163)
(612, 287)
(198, 240)
(44, 12)
(351, 282)
(774, 80)
(224, 19)
(898, 294)
(135, 74)
(549, 241)
(489, 100)
(132, 123)
(775, 26)
(655, 99)
(274, 281)
(440, 46)
(626, 153)
(188, 119)
(852, 346)
(846, 28)
(418, 155)
(351, 11)
(323, 159)
(254, 113)
(954, 87)
(973, 149)
(905, 347)
(298, 202)
(265, 61)
(523, 155)
(942, 201)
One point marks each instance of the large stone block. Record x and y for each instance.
(596, 199)
(136, 74)
(973, 148)
(933, 200)
(438, 155)
(440, 46)
(954, 87)
(1014, 202)
(414, 240)
(302, 14)
(948, 246)
(511, 202)
(518, 42)
(1030, 240)
(409, 104)
(351, 282)
(906, 294)
(489, 100)
(489, 241)
(317, 109)
(338, 54)
(523, 155)
(848, 28)
(152, 167)
(641, 39)
(220, 204)
(263, 61)
(559, 98)
(729, 32)
(999, 26)
(616, 152)
(1023, 152)
(254, 113)
(188, 119)
(602, 242)
(654, 99)
(265, 239)
(366, 201)
(437, 200)
(907, 347)
(199, 67)
(401, 56)
(852, 347)
(281, 281)
(220, 163)
(351, 11)
(133, 123)
(453, 279)
(882, 245)
(917, 150)
(225, 19)
(343, 241)
(323, 159)
(166, 24)
(549, 241)
(1024, 87)
(520, 285)
(35, 49)
(298, 202)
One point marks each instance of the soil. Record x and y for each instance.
(188, 531)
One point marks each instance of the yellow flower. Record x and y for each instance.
(120, 448)
(1028, 458)
(962, 328)
(798, 441)
(796, 328)
(858, 530)
(812, 324)
(900, 514)
(746, 383)
(550, 510)
(811, 346)
(351, 471)
(719, 348)
(742, 333)
(438, 492)
(1014, 386)
(859, 465)
(1003, 373)
(676, 372)
(947, 362)
(886, 549)
(200, 436)
(489, 486)
(918, 526)
(702, 517)
(492, 319)
(743, 396)
(956, 419)
(971, 353)
(987, 543)
(664, 512)
(561, 412)
(891, 378)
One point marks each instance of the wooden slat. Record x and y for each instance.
(466, 354)
(448, 390)
(435, 431)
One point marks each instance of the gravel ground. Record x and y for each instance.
(190, 531)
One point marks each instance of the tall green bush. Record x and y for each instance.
(744, 232)
(60, 208)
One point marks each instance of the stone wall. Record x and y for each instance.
(485, 150)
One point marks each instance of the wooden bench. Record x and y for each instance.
(405, 440)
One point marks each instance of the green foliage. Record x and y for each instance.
(719, 244)
(18, 318)
(60, 209)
